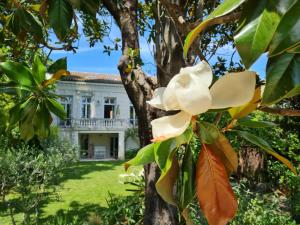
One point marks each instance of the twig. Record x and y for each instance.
(280, 111)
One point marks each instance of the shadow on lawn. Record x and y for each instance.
(80, 169)
(76, 214)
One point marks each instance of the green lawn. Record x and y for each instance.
(84, 189)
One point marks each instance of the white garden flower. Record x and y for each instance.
(189, 92)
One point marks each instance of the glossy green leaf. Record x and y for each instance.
(287, 34)
(208, 132)
(60, 14)
(165, 184)
(60, 64)
(259, 26)
(13, 88)
(265, 146)
(144, 156)
(188, 178)
(42, 121)
(55, 108)
(163, 149)
(255, 124)
(226, 7)
(90, 6)
(38, 70)
(29, 109)
(283, 78)
(23, 21)
(15, 115)
(17, 72)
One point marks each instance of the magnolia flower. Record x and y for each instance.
(189, 92)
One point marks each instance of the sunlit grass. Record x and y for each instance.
(84, 187)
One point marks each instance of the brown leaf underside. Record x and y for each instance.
(224, 151)
(213, 189)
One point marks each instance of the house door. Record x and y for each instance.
(100, 152)
(114, 142)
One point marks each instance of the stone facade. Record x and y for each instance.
(98, 114)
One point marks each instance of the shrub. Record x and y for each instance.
(130, 209)
(33, 173)
(254, 208)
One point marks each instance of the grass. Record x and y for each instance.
(84, 188)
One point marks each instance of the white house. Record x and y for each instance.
(98, 114)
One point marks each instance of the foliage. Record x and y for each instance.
(130, 209)
(32, 174)
(254, 208)
(270, 26)
(35, 98)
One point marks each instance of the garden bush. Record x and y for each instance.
(30, 174)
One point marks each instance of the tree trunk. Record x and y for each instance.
(169, 57)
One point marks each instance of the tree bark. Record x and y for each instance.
(139, 90)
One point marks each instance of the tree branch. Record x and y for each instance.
(111, 6)
(280, 111)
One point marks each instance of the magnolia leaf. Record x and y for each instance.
(243, 111)
(257, 31)
(29, 109)
(266, 147)
(60, 14)
(223, 149)
(42, 121)
(165, 184)
(17, 72)
(144, 156)
(255, 124)
(282, 78)
(15, 115)
(56, 76)
(294, 50)
(33, 25)
(287, 35)
(214, 193)
(60, 64)
(12, 88)
(22, 22)
(226, 7)
(163, 149)
(56, 108)
(90, 6)
(209, 133)
(188, 178)
(38, 70)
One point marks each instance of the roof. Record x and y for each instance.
(93, 77)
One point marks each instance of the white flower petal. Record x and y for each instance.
(233, 90)
(202, 71)
(188, 78)
(192, 95)
(170, 126)
(169, 98)
(156, 100)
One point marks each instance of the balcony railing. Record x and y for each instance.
(97, 123)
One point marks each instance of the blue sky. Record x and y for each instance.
(88, 59)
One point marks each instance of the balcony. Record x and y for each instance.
(97, 124)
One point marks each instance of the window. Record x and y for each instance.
(66, 102)
(109, 108)
(85, 107)
(132, 116)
